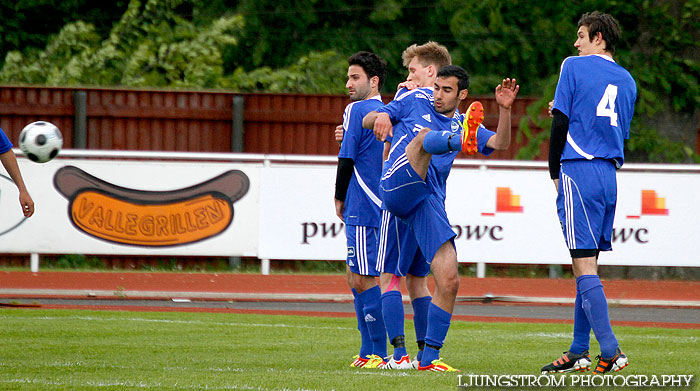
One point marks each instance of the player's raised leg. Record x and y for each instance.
(439, 142)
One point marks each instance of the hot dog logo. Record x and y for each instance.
(150, 218)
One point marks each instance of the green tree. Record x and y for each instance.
(151, 45)
(28, 25)
(660, 48)
(301, 46)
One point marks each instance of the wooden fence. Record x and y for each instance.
(198, 121)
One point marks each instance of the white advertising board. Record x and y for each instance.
(500, 215)
(297, 215)
(279, 207)
(133, 207)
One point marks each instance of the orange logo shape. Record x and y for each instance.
(150, 218)
(652, 204)
(506, 201)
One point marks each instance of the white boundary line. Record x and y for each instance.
(303, 297)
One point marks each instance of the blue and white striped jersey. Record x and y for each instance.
(362, 203)
(598, 96)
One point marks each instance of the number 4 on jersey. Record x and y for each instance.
(606, 106)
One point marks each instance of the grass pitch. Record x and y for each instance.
(109, 350)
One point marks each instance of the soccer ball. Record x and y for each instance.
(40, 141)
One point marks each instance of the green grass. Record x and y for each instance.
(106, 350)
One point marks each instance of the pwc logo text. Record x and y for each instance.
(150, 218)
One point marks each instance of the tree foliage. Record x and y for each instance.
(151, 45)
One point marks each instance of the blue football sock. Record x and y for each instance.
(392, 309)
(366, 346)
(372, 300)
(596, 307)
(420, 320)
(582, 327)
(438, 324)
(438, 142)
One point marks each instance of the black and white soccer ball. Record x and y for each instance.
(40, 141)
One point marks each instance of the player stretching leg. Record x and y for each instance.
(357, 203)
(412, 190)
(397, 244)
(592, 114)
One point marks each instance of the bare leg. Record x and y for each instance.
(445, 271)
(583, 266)
(417, 286)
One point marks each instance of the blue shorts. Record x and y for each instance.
(362, 250)
(586, 203)
(401, 188)
(407, 196)
(398, 249)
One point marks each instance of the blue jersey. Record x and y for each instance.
(5, 143)
(362, 204)
(412, 111)
(598, 96)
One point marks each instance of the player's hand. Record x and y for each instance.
(339, 133)
(506, 93)
(339, 209)
(383, 127)
(556, 185)
(27, 204)
(409, 85)
(551, 104)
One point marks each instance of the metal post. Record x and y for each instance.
(80, 120)
(34, 262)
(556, 271)
(238, 129)
(265, 267)
(480, 270)
(234, 262)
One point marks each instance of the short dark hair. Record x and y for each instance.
(458, 72)
(372, 64)
(598, 22)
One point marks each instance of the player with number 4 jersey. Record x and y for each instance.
(592, 111)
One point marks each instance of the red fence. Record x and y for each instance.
(198, 121)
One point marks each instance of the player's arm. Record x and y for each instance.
(9, 161)
(505, 96)
(380, 123)
(343, 175)
(557, 141)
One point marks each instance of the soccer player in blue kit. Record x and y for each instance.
(397, 245)
(412, 185)
(592, 110)
(357, 203)
(9, 161)
(395, 239)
